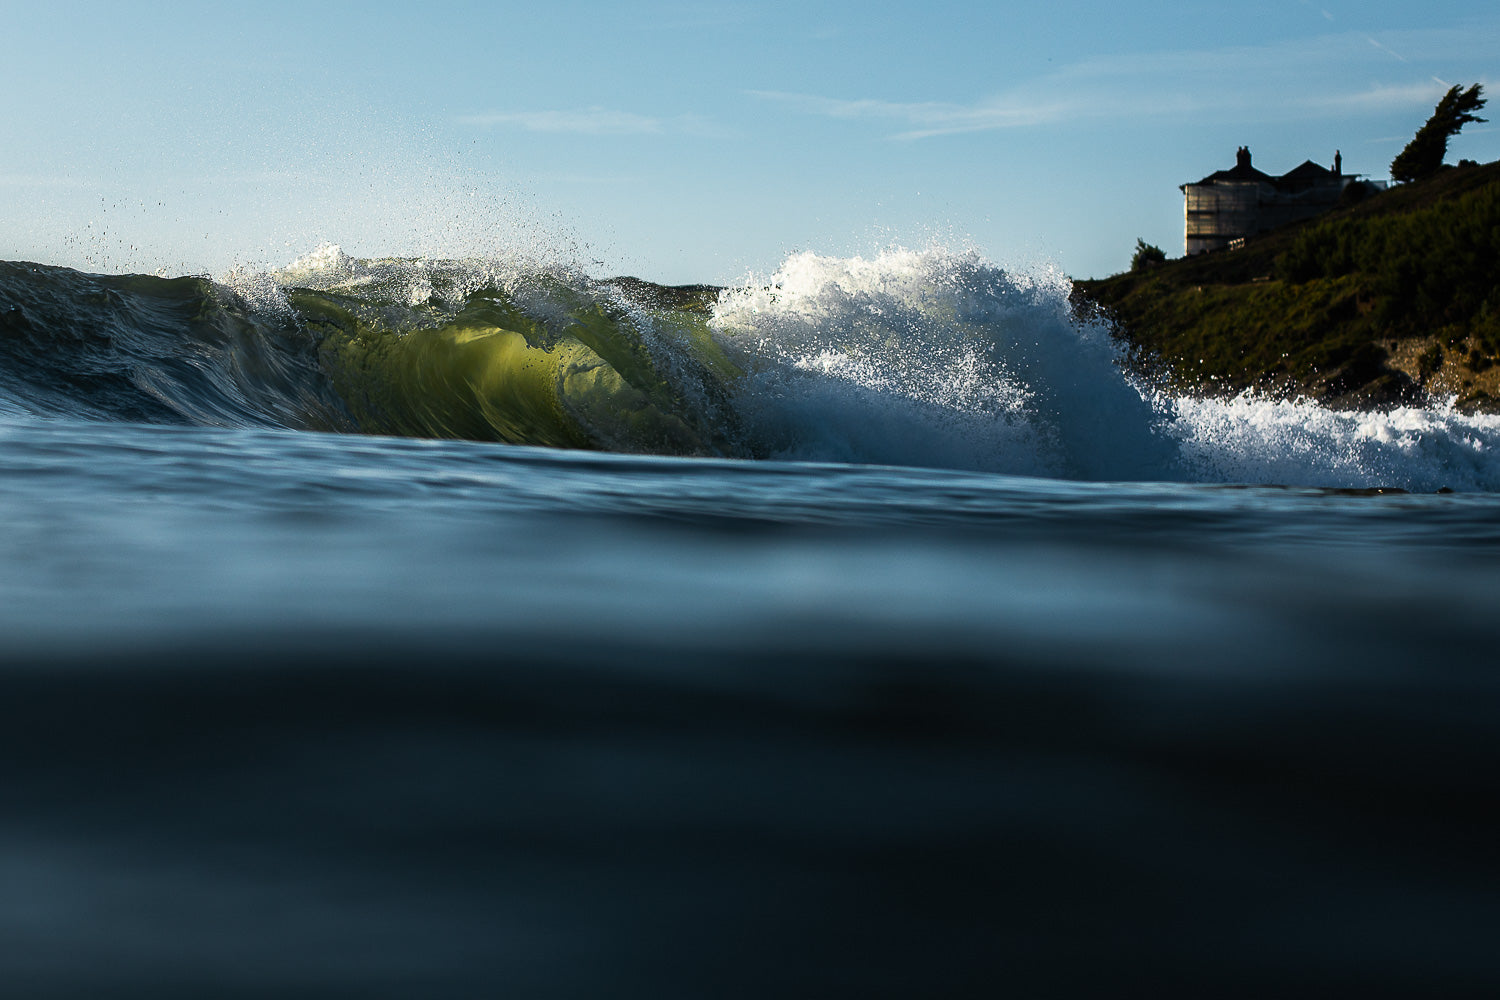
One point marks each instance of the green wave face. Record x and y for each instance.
(550, 363)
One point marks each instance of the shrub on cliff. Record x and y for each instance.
(1431, 268)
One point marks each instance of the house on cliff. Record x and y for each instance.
(1227, 206)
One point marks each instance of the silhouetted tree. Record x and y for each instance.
(1146, 255)
(1423, 156)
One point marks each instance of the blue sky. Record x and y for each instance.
(689, 141)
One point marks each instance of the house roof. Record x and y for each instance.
(1308, 173)
(1239, 173)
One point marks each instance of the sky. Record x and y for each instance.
(689, 142)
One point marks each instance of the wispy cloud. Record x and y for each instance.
(1301, 78)
(1386, 49)
(594, 121)
(928, 118)
(1321, 10)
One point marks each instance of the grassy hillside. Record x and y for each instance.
(1395, 298)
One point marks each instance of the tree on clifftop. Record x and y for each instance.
(1423, 156)
(1146, 256)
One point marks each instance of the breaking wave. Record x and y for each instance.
(918, 358)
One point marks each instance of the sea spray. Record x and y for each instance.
(935, 358)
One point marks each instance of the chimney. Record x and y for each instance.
(1338, 164)
(1242, 157)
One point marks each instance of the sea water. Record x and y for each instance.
(418, 628)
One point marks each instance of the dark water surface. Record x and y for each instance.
(295, 714)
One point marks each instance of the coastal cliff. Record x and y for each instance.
(1389, 299)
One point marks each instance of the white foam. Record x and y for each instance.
(326, 263)
(1249, 439)
(258, 290)
(933, 358)
(415, 280)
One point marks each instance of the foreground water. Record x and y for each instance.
(934, 658)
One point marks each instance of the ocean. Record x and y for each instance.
(477, 628)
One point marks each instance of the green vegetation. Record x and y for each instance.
(1428, 272)
(1423, 156)
(1146, 255)
(1392, 298)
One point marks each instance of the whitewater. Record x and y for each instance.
(468, 627)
